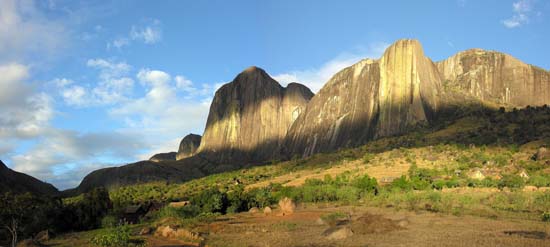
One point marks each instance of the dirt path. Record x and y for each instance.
(163, 242)
(421, 229)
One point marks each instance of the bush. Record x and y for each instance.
(439, 184)
(211, 201)
(546, 216)
(539, 181)
(117, 237)
(401, 184)
(542, 202)
(366, 184)
(109, 221)
(368, 157)
(513, 182)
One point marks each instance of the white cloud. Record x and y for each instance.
(150, 33)
(161, 113)
(114, 85)
(23, 111)
(316, 78)
(183, 83)
(120, 42)
(522, 10)
(75, 95)
(63, 154)
(25, 31)
(61, 82)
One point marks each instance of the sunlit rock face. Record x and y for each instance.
(496, 78)
(370, 99)
(188, 146)
(250, 116)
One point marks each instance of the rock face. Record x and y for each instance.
(249, 118)
(370, 99)
(496, 78)
(163, 157)
(16, 182)
(188, 146)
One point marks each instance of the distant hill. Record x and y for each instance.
(16, 182)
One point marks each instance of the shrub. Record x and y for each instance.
(117, 237)
(546, 216)
(401, 184)
(368, 157)
(109, 221)
(211, 200)
(511, 181)
(539, 181)
(366, 184)
(453, 183)
(439, 184)
(347, 194)
(542, 202)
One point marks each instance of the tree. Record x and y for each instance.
(87, 213)
(25, 214)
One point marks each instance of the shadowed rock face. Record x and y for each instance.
(188, 146)
(496, 78)
(163, 157)
(250, 116)
(141, 172)
(16, 182)
(370, 99)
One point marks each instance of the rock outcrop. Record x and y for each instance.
(141, 172)
(163, 157)
(370, 99)
(249, 118)
(188, 146)
(16, 182)
(496, 78)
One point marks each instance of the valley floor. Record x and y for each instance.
(370, 227)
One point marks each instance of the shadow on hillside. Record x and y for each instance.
(493, 127)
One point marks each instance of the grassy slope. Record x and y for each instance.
(501, 142)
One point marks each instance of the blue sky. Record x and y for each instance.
(89, 84)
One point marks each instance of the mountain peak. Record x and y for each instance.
(404, 47)
(253, 70)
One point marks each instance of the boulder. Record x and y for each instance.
(145, 231)
(170, 232)
(165, 232)
(542, 154)
(254, 210)
(178, 204)
(42, 236)
(287, 206)
(530, 188)
(267, 210)
(338, 233)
